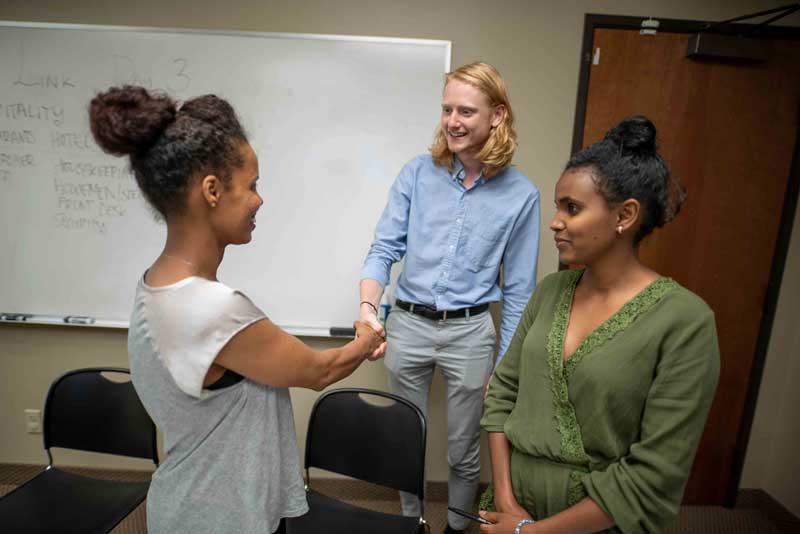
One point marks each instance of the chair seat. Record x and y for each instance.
(336, 517)
(57, 501)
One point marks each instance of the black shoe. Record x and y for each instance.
(451, 530)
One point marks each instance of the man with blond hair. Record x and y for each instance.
(458, 215)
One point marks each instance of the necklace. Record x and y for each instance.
(187, 262)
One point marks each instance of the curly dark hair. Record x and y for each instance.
(626, 164)
(167, 146)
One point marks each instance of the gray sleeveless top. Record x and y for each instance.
(231, 454)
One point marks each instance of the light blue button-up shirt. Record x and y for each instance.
(455, 239)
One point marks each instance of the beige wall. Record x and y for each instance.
(771, 462)
(536, 46)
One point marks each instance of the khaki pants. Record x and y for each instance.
(463, 349)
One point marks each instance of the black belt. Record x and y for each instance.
(429, 312)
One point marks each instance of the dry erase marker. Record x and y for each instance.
(342, 331)
(14, 316)
(45, 319)
(78, 319)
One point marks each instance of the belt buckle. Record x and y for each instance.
(444, 315)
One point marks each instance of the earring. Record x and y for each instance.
(619, 229)
(213, 204)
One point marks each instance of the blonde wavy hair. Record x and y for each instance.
(498, 150)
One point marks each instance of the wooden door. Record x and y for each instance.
(728, 131)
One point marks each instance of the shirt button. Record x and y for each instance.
(451, 247)
(458, 221)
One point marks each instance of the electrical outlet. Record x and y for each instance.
(33, 421)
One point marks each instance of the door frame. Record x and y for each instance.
(595, 21)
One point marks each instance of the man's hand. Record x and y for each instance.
(367, 315)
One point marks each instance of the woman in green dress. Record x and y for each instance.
(595, 413)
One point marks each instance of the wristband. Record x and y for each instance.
(526, 521)
(371, 305)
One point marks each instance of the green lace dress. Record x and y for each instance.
(620, 420)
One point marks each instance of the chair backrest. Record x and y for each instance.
(379, 443)
(84, 410)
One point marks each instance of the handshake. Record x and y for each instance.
(371, 333)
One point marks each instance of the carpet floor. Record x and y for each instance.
(753, 514)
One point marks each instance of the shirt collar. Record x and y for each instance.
(459, 172)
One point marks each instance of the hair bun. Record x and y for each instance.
(635, 134)
(128, 120)
(214, 111)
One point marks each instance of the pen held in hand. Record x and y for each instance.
(470, 516)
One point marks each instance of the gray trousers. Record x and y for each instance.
(463, 349)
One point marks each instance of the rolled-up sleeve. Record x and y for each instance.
(642, 491)
(389, 244)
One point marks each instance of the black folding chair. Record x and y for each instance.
(379, 443)
(85, 411)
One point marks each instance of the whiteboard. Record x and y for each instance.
(332, 119)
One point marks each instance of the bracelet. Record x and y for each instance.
(522, 522)
(371, 305)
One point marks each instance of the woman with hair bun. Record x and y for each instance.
(595, 413)
(210, 368)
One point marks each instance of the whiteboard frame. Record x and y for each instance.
(304, 331)
(448, 45)
(291, 329)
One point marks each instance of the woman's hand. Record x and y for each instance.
(512, 507)
(374, 343)
(506, 502)
(505, 523)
